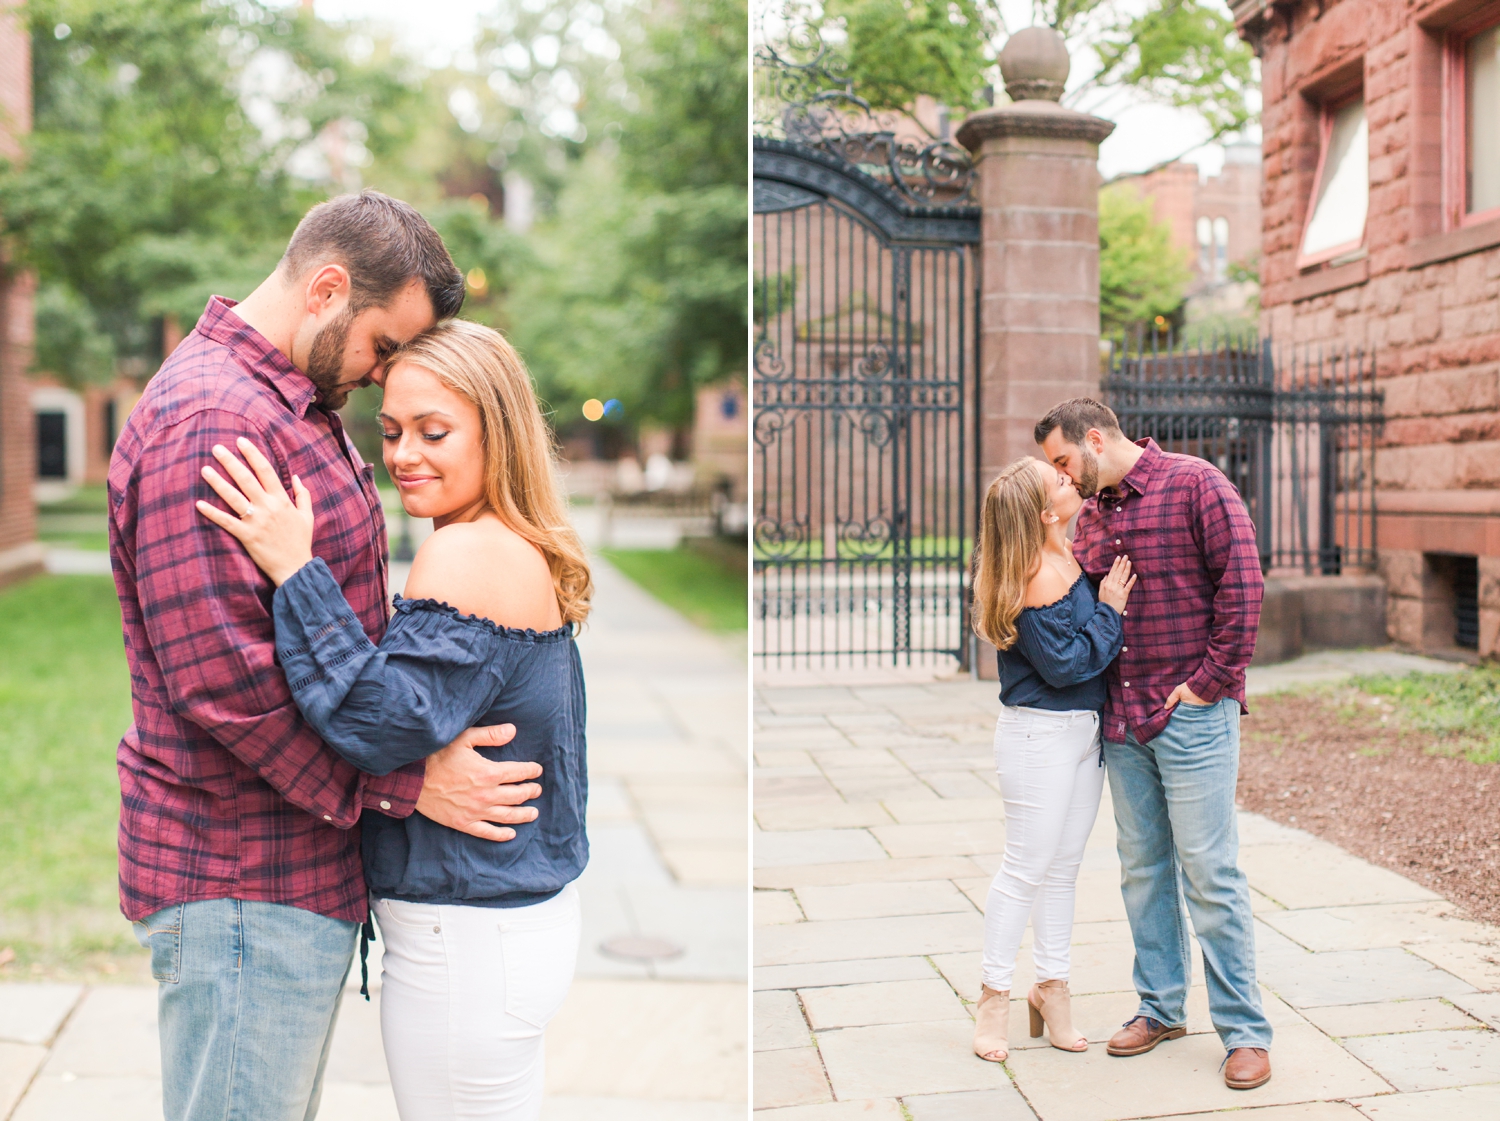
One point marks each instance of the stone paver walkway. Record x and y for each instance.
(879, 827)
(636, 1041)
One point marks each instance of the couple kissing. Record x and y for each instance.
(1122, 653)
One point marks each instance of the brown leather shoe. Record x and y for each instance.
(1140, 1035)
(1245, 1068)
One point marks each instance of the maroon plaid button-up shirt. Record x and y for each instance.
(1194, 611)
(225, 792)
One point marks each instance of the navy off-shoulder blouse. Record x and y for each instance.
(435, 673)
(1058, 661)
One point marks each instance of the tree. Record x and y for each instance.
(177, 143)
(641, 291)
(161, 163)
(897, 50)
(1183, 53)
(1141, 274)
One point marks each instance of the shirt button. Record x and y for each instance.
(1123, 649)
(437, 930)
(1127, 685)
(1117, 540)
(385, 805)
(326, 817)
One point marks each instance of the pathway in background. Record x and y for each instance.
(636, 1040)
(879, 828)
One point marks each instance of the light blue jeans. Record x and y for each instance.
(1175, 817)
(249, 993)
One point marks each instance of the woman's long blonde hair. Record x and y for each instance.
(520, 458)
(1011, 536)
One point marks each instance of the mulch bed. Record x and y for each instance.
(1328, 763)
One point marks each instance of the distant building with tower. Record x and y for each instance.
(1216, 221)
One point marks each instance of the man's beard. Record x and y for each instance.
(1088, 485)
(325, 363)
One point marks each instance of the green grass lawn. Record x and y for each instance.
(88, 542)
(64, 703)
(704, 579)
(92, 499)
(79, 521)
(921, 548)
(1462, 709)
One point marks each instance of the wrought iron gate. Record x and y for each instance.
(866, 339)
(1296, 437)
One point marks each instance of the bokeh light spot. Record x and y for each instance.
(593, 409)
(478, 283)
(613, 409)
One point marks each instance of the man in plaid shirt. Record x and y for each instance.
(239, 853)
(1171, 722)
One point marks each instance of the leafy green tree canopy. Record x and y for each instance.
(1141, 274)
(897, 50)
(160, 159)
(641, 293)
(1183, 53)
(177, 143)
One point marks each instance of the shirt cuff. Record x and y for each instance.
(395, 794)
(1208, 684)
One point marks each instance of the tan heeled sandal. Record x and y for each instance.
(992, 1025)
(1050, 1003)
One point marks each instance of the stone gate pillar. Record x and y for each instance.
(1038, 184)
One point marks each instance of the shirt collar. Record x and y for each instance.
(220, 325)
(1139, 477)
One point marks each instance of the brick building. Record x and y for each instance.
(1381, 230)
(1215, 220)
(19, 553)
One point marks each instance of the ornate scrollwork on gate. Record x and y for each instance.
(813, 102)
(865, 540)
(781, 540)
(768, 360)
(768, 424)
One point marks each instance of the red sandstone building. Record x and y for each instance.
(1381, 230)
(20, 555)
(1215, 220)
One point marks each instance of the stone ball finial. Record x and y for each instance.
(1034, 65)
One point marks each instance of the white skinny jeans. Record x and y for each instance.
(1051, 781)
(466, 993)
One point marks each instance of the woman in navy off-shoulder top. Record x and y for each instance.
(481, 930)
(1054, 638)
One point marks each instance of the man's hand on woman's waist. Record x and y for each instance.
(465, 791)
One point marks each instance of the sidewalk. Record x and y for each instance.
(880, 826)
(639, 1038)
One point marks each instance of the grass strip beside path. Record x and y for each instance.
(64, 703)
(1460, 710)
(704, 580)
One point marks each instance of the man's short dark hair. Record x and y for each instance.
(384, 243)
(1075, 418)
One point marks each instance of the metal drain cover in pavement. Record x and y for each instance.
(634, 947)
